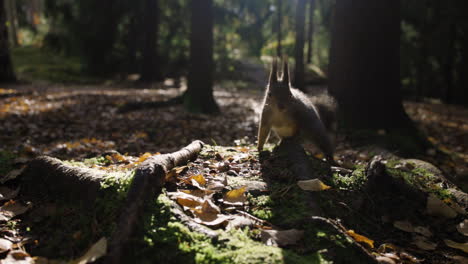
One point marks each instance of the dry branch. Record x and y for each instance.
(147, 184)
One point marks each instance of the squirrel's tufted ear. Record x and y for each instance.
(285, 78)
(274, 72)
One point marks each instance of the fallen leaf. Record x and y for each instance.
(236, 196)
(199, 193)
(462, 227)
(422, 243)
(404, 226)
(437, 207)
(199, 179)
(462, 246)
(281, 238)
(423, 231)
(385, 260)
(174, 173)
(314, 185)
(360, 238)
(185, 199)
(5, 245)
(144, 157)
(96, 251)
(460, 259)
(7, 193)
(11, 209)
(208, 212)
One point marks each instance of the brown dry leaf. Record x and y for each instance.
(460, 259)
(314, 185)
(404, 226)
(281, 238)
(462, 246)
(423, 231)
(385, 260)
(437, 207)
(424, 244)
(208, 212)
(96, 251)
(462, 227)
(11, 209)
(7, 193)
(185, 199)
(174, 173)
(360, 238)
(215, 185)
(235, 196)
(5, 245)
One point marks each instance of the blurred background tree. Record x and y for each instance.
(152, 39)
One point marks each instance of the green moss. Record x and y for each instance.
(168, 241)
(355, 181)
(32, 63)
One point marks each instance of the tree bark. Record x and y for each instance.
(310, 33)
(365, 64)
(199, 95)
(150, 69)
(10, 7)
(278, 27)
(299, 81)
(50, 176)
(147, 184)
(6, 67)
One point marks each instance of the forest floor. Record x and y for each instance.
(83, 126)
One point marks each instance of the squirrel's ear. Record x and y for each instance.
(274, 72)
(285, 71)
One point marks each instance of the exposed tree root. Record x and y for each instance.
(147, 184)
(50, 176)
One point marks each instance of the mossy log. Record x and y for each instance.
(147, 184)
(47, 176)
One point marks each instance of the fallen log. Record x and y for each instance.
(47, 176)
(147, 184)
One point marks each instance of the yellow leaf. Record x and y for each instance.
(235, 196)
(188, 202)
(199, 178)
(360, 238)
(319, 156)
(314, 185)
(144, 157)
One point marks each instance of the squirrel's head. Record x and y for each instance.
(279, 86)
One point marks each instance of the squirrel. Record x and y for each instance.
(290, 113)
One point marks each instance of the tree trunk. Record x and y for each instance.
(299, 46)
(310, 33)
(199, 95)
(278, 28)
(6, 67)
(10, 7)
(365, 64)
(150, 69)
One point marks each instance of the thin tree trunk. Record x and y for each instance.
(310, 33)
(11, 17)
(278, 28)
(6, 67)
(199, 95)
(299, 81)
(150, 70)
